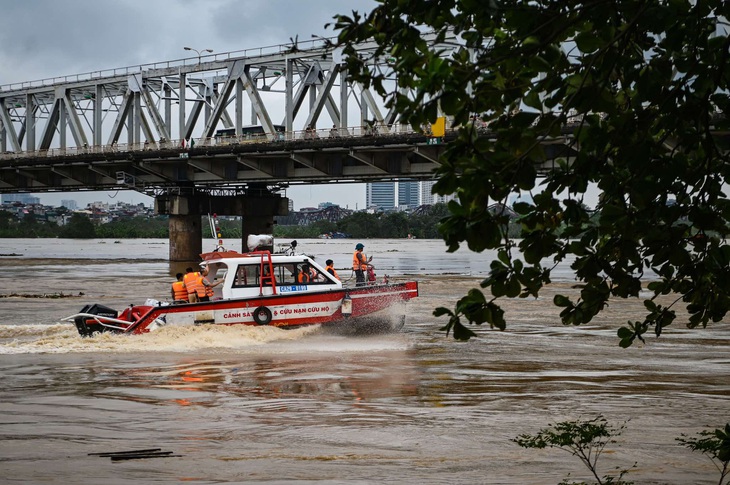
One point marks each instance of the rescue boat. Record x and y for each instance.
(262, 288)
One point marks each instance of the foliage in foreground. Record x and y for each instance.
(585, 439)
(715, 444)
(641, 88)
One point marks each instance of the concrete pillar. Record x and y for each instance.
(258, 210)
(186, 239)
(186, 232)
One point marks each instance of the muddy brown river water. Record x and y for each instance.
(264, 405)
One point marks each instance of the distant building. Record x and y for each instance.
(324, 205)
(427, 198)
(98, 206)
(69, 204)
(26, 199)
(443, 198)
(380, 194)
(410, 193)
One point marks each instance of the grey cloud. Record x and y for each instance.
(49, 38)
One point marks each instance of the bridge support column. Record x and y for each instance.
(186, 232)
(257, 208)
(186, 238)
(259, 224)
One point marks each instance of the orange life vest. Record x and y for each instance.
(303, 277)
(208, 290)
(359, 261)
(331, 270)
(191, 281)
(179, 291)
(203, 289)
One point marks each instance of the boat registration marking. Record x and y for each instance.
(287, 289)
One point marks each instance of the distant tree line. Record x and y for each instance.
(79, 226)
(358, 225)
(422, 225)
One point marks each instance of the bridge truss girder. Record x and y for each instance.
(285, 162)
(138, 105)
(138, 120)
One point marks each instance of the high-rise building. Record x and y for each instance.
(69, 204)
(411, 194)
(408, 194)
(26, 199)
(380, 195)
(427, 198)
(443, 198)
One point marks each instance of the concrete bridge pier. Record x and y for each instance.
(258, 215)
(186, 233)
(186, 239)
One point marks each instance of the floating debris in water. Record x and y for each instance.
(44, 295)
(135, 454)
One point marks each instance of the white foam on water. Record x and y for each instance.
(63, 338)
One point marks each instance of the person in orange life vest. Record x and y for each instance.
(304, 275)
(331, 269)
(191, 284)
(359, 264)
(205, 287)
(179, 292)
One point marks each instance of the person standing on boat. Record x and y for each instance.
(179, 292)
(331, 269)
(359, 264)
(205, 287)
(191, 284)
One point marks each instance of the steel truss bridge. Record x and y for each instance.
(271, 116)
(152, 128)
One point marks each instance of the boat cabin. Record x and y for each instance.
(261, 273)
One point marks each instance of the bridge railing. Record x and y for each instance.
(186, 62)
(184, 146)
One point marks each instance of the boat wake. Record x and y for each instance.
(64, 338)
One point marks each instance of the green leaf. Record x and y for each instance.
(588, 42)
(441, 311)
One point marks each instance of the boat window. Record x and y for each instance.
(307, 274)
(286, 274)
(248, 275)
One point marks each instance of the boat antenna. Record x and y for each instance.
(215, 231)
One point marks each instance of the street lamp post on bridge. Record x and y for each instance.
(199, 52)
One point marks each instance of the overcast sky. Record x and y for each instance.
(48, 38)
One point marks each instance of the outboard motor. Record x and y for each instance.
(86, 326)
